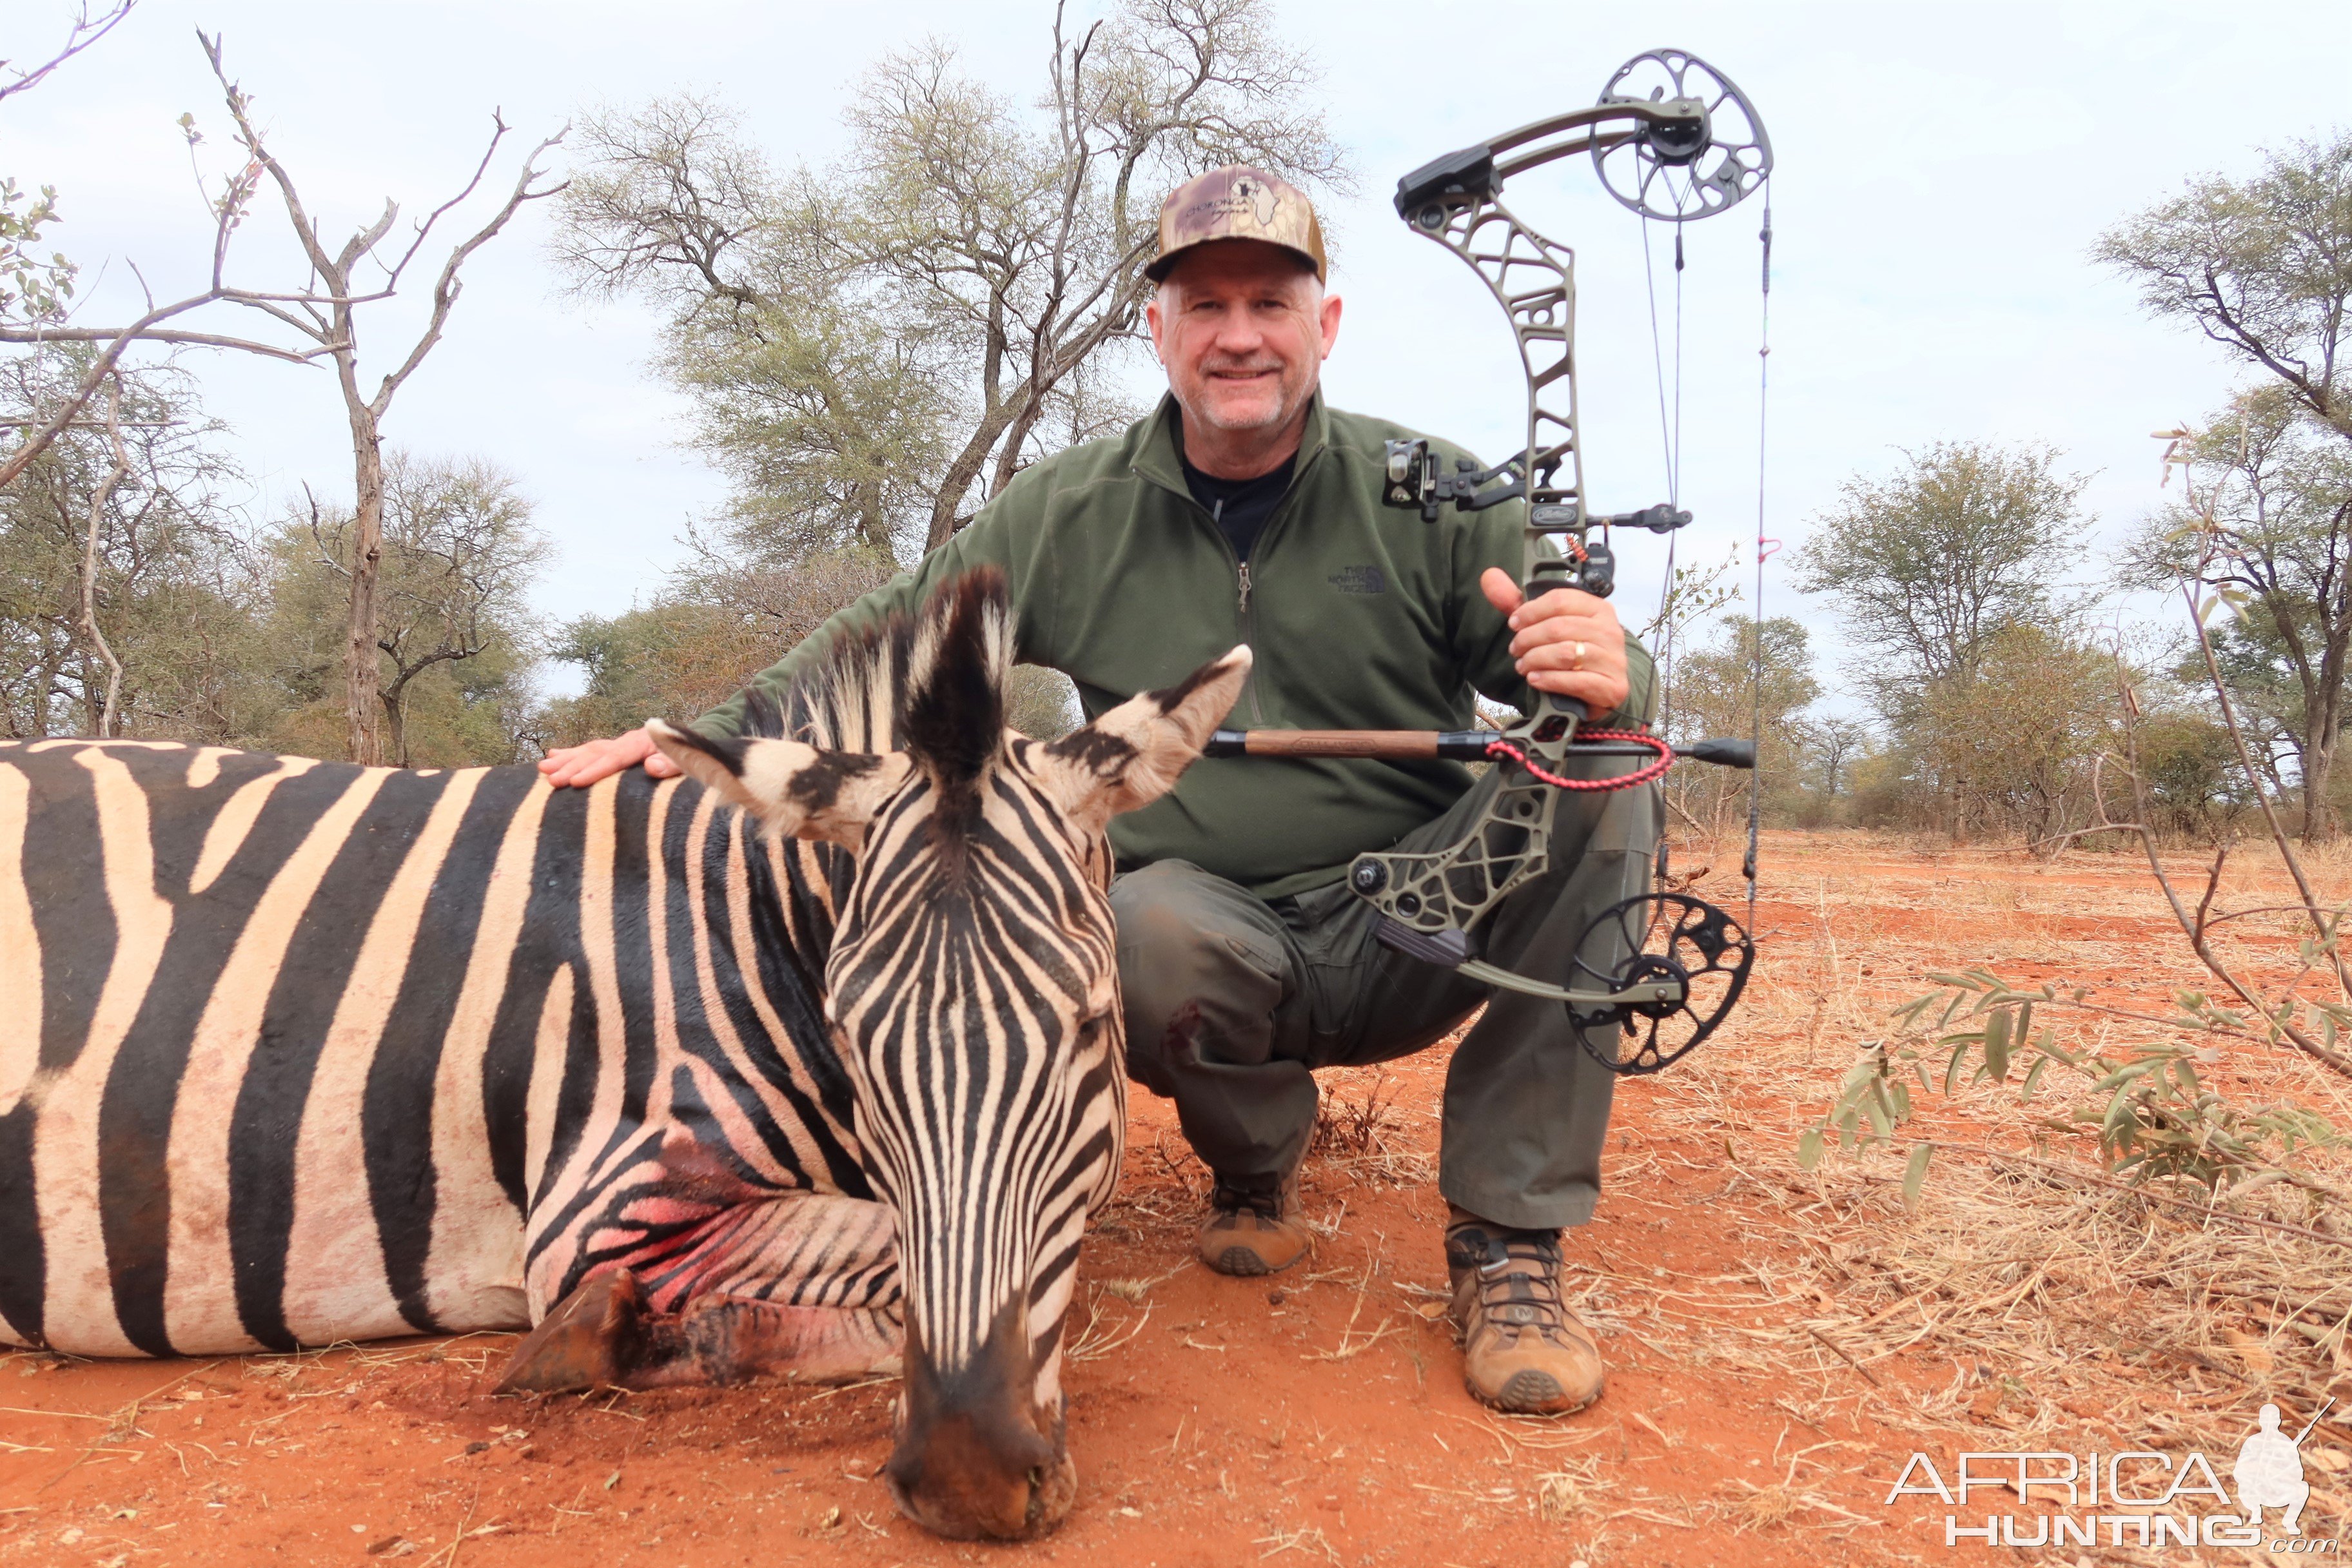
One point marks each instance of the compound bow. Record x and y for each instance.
(1690, 147)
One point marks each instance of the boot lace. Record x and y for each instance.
(1519, 1276)
(1261, 1196)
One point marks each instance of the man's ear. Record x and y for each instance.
(1132, 756)
(792, 789)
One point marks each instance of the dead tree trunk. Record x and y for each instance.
(331, 322)
(360, 706)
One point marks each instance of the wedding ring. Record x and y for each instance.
(1576, 660)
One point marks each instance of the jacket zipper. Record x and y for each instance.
(1245, 622)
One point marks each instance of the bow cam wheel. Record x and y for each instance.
(1676, 178)
(1696, 971)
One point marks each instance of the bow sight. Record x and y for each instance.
(1687, 147)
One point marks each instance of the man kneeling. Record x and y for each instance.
(1243, 508)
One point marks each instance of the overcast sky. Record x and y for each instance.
(1943, 172)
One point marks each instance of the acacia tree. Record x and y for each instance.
(1716, 694)
(458, 555)
(2007, 743)
(324, 315)
(2264, 267)
(129, 606)
(1834, 742)
(2267, 518)
(1929, 563)
(996, 254)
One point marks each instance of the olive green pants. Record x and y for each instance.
(1231, 1003)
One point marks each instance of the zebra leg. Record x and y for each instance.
(593, 1339)
(802, 1287)
(604, 1335)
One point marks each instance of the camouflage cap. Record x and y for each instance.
(1237, 202)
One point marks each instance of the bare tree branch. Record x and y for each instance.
(79, 36)
(445, 287)
(333, 326)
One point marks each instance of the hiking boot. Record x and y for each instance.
(1522, 1350)
(1255, 1225)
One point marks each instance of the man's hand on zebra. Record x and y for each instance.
(581, 765)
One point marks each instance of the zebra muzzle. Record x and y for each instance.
(977, 1456)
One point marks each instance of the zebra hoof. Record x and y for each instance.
(593, 1339)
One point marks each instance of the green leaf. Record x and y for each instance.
(1808, 1149)
(1909, 1012)
(1915, 1173)
(2046, 1042)
(1881, 1123)
(2033, 1077)
(2118, 1122)
(2125, 1074)
(1995, 1045)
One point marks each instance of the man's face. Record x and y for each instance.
(1243, 329)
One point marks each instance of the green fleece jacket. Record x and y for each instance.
(1359, 615)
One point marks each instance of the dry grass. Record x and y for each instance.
(1562, 1494)
(1361, 1130)
(2057, 1300)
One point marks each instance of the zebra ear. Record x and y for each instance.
(792, 788)
(1133, 754)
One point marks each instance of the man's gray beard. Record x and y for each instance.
(1285, 411)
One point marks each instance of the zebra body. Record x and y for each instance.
(307, 1052)
(807, 1064)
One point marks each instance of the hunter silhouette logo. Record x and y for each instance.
(2269, 1471)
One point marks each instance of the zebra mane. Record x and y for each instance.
(931, 684)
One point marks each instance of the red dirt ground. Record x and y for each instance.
(1316, 1418)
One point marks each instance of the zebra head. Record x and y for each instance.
(972, 988)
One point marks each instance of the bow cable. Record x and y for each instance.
(1670, 439)
(1763, 425)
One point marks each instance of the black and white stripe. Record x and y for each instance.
(296, 1052)
(301, 1052)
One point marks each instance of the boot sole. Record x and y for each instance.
(1241, 1263)
(1531, 1394)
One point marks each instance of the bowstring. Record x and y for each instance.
(1763, 427)
(1670, 439)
